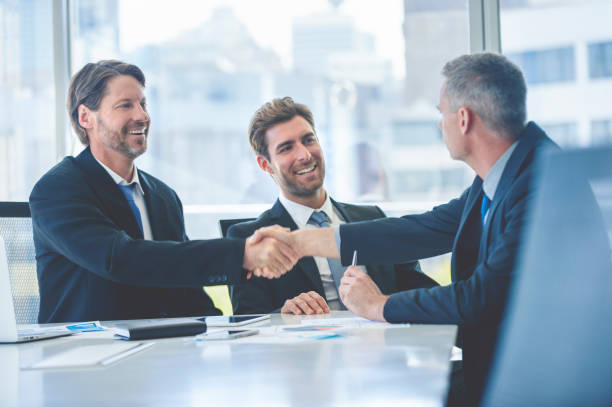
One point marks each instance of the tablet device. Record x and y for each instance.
(224, 335)
(233, 320)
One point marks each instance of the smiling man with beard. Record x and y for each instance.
(110, 239)
(282, 135)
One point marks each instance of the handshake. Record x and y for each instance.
(272, 251)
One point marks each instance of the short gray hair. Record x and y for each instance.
(491, 86)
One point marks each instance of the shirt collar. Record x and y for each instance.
(489, 185)
(120, 181)
(301, 213)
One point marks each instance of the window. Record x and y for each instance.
(600, 60)
(27, 97)
(564, 134)
(546, 66)
(370, 72)
(601, 131)
(561, 59)
(416, 133)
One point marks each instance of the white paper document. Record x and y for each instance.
(91, 355)
(350, 322)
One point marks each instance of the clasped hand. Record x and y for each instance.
(270, 252)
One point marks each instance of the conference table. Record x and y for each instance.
(360, 364)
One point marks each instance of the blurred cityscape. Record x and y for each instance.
(379, 132)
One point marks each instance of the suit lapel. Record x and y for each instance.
(531, 137)
(108, 193)
(307, 265)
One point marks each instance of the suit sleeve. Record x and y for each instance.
(400, 240)
(479, 297)
(252, 296)
(67, 217)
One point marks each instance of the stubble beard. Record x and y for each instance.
(117, 141)
(295, 189)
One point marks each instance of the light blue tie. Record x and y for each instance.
(128, 191)
(484, 207)
(321, 219)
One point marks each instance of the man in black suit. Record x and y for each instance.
(110, 239)
(283, 137)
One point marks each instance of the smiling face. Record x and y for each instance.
(296, 161)
(121, 124)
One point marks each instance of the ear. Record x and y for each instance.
(264, 164)
(86, 117)
(464, 118)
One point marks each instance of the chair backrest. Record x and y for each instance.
(554, 347)
(16, 230)
(224, 224)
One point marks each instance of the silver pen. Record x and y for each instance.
(354, 262)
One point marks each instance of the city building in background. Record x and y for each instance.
(376, 110)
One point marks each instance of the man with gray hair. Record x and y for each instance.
(482, 103)
(110, 238)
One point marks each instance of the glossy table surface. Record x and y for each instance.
(369, 365)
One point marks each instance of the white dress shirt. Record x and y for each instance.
(300, 215)
(138, 198)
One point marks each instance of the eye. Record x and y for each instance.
(126, 105)
(284, 149)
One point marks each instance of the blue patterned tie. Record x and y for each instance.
(128, 191)
(321, 219)
(484, 207)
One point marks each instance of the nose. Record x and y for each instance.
(141, 114)
(303, 153)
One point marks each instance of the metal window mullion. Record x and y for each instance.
(484, 25)
(61, 65)
(492, 36)
(476, 26)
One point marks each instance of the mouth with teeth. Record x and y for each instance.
(306, 170)
(138, 131)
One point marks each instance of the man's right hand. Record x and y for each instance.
(306, 303)
(269, 257)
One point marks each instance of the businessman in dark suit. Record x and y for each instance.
(283, 137)
(483, 107)
(110, 239)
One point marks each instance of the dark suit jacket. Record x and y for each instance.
(259, 295)
(482, 260)
(92, 263)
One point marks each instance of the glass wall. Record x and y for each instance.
(368, 70)
(565, 50)
(27, 112)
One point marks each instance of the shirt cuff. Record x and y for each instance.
(337, 237)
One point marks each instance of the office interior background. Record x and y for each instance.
(369, 71)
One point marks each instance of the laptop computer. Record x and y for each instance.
(8, 325)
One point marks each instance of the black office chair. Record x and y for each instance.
(225, 224)
(16, 230)
(555, 343)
